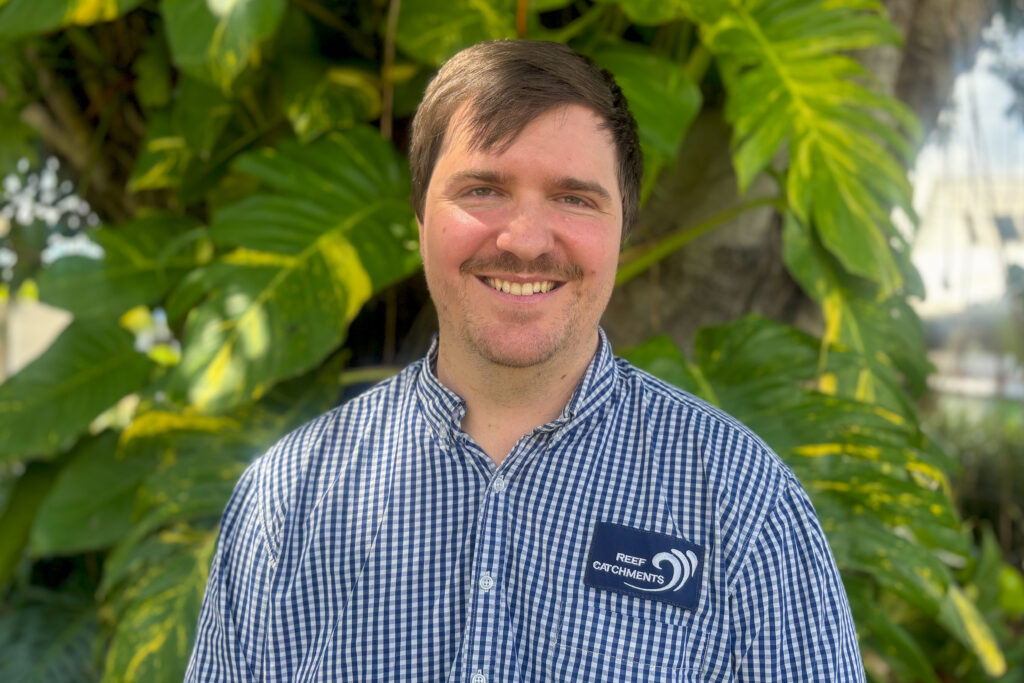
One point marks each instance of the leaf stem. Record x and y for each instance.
(638, 259)
(387, 95)
(698, 63)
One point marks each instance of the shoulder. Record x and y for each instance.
(303, 462)
(742, 479)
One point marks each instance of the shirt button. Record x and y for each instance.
(478, 678)
(486, 583)
(498, 485)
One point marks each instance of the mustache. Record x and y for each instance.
(507, 262)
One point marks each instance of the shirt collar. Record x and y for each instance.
(444, 409)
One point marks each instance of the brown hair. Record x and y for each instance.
(509, 83)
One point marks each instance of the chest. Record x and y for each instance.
(439, 567)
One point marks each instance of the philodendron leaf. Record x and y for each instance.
(90, 366)
(141, 261)
(651, 12)
(433, 31)
(19, 513)
(163, 157)
(661, 97)
(320, 96)
(90, 505)
(302, 261)
(879, 629)
(21, 18)
(854, 318)
(960, 616)
(156, 612)
(216, 41)
(789, 80)
(48, 636)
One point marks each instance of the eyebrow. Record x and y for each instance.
(566, 183)
(576, 185)
(479, 175)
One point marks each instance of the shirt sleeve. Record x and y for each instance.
(230, 636)
(791, 619)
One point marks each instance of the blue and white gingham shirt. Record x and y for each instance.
(380, 543)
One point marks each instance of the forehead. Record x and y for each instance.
(569, 135)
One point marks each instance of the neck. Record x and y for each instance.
(503, 403)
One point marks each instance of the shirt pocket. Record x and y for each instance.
(619, 637)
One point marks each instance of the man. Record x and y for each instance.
(521, 505)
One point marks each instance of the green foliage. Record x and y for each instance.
(215, 42)
(51, 401)
(431, 32)
(49, 636)
(661, 97)
(31, 17)
(142, 261)
(265, 213)
(159, 609)
(90, 504)
(788, 81)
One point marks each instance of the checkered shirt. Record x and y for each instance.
(380, 543)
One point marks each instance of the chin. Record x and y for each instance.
(512, 350)
(519, 348)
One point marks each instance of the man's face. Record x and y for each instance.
(520, 246)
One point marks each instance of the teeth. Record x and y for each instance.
(521, 289)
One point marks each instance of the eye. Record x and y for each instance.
(482, 192)
(573, 200)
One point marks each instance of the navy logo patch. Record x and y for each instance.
(645, 564)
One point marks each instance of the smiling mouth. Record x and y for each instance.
(520, 288)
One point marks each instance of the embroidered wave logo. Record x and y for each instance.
(684, 565)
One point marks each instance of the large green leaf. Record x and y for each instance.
(154, 579)
(19, 512)
(90, 504)
(661, 97)
(877, 628)
(90, 366)
(304, 260)
(200, 114)
(433, 31)
(320, 96)
(202, 456)
(19, 18)
(157, 611)
(651, 11)
(216, 41)
(142, 260)
(962, 618)
(49, 636)
(854, 317)
(164, 155)
(788, 79)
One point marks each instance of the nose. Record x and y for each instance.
(527, 233)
